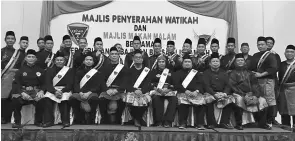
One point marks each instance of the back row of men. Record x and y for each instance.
(82, 80)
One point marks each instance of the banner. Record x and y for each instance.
(119, 22)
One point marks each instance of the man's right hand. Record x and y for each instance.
(25, 96)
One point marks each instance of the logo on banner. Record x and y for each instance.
(77, 31)
(207, 38)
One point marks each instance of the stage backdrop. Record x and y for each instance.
(119, 21)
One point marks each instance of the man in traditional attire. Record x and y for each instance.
(88, 85)
(28, 89)
(247, 93)
(129, 57)
(287, 87)
(11, 61)
(265, 67)
(188, 84)
(270, 41)
(99, 55)
(163, 88)
(157, 46)
(173, 58)
(227, 61)
(245, 51)
(59, 82)
(79, 55)
(137, 87)
(40, 44)
(45, 57)
(110, 102)
(216, 84)
(201, 59)
(186, 49)
(214, 47)
(67, 50)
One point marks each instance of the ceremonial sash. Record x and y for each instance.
(262, 58)
(50, 61)
(100, 63)
(60, 75)
(189, 78)
(11, 62)
(70, 61)
(156, 61)
(163, 78)
(141, 77)
(230, 62)
(121, 61)
(288, 72)
(220, 56)
(87, 77)
(114, 74)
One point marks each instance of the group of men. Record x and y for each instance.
(83, 81)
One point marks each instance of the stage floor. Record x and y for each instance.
(118, 132)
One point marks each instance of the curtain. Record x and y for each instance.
(225, 10)
(52, 9)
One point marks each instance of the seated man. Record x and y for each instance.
(137, 86)
(161, 81)
(110, 102)
(59, 82)
(216, 84)
(188, 83)
(28, 89)
(88, 85)
(247, 93)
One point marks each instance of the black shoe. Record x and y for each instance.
(158, 124)
(226, 126)
(266, 126)
(239, 127)
(274, 122)
(16, 125)
(200, 127)
(49, 124)
(210, 126)
(137, 123)
(38, 124)
(182, 126)
(167, 124)
(66, 124)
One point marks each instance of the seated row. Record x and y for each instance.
(116, 88)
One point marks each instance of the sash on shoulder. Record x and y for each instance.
(156, 61)
(230, 62)
(189, 78)
(11, 62)
(114, 74)
(87, 77)
(163, 78)
(50, 61)
(262, 58)
(100, 63)
(60, 75)
(70, 60)
(287, 74)
(141, 77)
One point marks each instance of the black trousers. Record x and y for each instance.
(6, 109)
(158, 108)
(286, 120)
(199, 111)
(210, 114)
(137, 112)
(226, 113)
(64, 109)
(80, 116)
(18, 103)
(271, 114)
(260, 117)
(103, 107)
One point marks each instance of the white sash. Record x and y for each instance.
(70, 60)
(50, 61)
(60, 75)
(87, 77)
(189, 78)
(163, 78)
(114, 74)
(143, 74)
(100, 63)
(262, 58)
(11, 62)
(287, 72)
(156, 61)
(230, 62)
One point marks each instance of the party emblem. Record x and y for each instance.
(38, 74)
(115, 73)
(77, 31)
(59, 76)
(25, 74)
(87, 76)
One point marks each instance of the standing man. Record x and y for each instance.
(270, 41)
(287, 87)
(23, 45)
(227, 61)
(45, 57)
(245, 51)
(173, 58)
(265, 68)
(129, 57)
(99, 54)
(59, 82)
(28, 89)
(157, 52)
(79, 55)
(67, 51)
(41, 44)
(201, 59)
